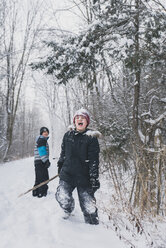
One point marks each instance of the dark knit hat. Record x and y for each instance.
(44, 129)
(84, 113)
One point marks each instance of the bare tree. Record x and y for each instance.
(19, 37)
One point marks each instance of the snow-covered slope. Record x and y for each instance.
(37, 222)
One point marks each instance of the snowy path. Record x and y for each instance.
(37, 222)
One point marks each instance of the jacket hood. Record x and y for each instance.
(89, 132)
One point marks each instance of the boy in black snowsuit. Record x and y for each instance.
(78, 168)
(41, 162)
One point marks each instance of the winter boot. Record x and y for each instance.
(35, 192)
(42, 194)
(91, 219)
(42, 191)
(66, 215)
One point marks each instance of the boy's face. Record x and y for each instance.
(45, 134)
(80, 122)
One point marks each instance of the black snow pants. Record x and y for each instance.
(86, 199)
(41, 175)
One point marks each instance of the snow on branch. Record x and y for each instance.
(154, 122)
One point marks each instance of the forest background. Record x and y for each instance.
(108, 56)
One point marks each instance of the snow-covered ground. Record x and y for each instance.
(31, 222)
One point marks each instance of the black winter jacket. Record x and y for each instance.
(79, 157)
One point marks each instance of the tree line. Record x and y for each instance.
(19, 38)
(116, 68)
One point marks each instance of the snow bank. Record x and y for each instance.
(37, 222)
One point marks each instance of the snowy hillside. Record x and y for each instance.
(37, 223)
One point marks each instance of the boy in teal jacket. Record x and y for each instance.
(41, 162)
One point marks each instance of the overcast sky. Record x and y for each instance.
(63, 14)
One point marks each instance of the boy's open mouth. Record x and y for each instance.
(80, 123)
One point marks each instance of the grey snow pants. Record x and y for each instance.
(86, 199)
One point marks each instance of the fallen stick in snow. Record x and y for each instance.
(39, 185)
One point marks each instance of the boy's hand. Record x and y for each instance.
(47, 164)
(95, 184)
(59, 164)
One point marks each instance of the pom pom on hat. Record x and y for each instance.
(84, 113)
